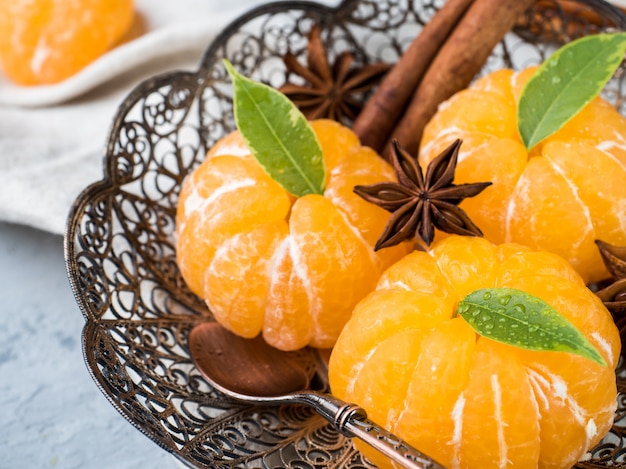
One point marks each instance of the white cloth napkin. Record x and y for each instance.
(52, 137)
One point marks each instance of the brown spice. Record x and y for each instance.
(614, 295)
(330, 92)
(459, 60)
(395, 90)
(560, 20)
(419, 203)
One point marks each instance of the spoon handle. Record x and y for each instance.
(351, 421)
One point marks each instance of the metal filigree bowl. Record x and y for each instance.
(120, 235)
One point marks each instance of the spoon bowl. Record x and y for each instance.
(252, 371)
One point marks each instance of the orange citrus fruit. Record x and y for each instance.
(266, 262)
(47, 41)
(468, 401)
(568, 191)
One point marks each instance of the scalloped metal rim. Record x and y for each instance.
(198, 77)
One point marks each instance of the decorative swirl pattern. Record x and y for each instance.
(119, 245)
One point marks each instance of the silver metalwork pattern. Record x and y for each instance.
(119, 243)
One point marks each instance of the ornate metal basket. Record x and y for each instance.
(119, 243)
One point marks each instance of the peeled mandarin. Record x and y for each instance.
(46, 41)
(468, 401)
(268, 262)
(568, 191)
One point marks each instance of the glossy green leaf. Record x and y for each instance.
(518, 318)
(565, 83)
(278, 135)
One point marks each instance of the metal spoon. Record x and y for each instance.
(250, 370)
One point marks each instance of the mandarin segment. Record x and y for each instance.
(435, 397)
(501, 162)
(237, 281)
(473, 402)
(500, 419)
(517, 261)
(519, 80)
(363, 166)
(428, 279)
(549, 215)
(467, 263)
(498, 83)
(599, 181)
(336, 141)
(46, 41)
(328, 252)
(392, 361)
(232, 144)
(287, 323)
(576, 402)
(475, 111)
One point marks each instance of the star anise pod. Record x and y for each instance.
(614, 295)
(419, 203)
(330, 92)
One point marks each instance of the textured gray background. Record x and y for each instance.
(52, 415)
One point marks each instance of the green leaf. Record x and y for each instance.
(520, 319)
(278, 135)
(565, 83)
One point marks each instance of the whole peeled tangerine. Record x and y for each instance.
(267, 262)
(468, 401)
(568, 191)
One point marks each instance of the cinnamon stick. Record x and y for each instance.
(464, 53)
(394, 92)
